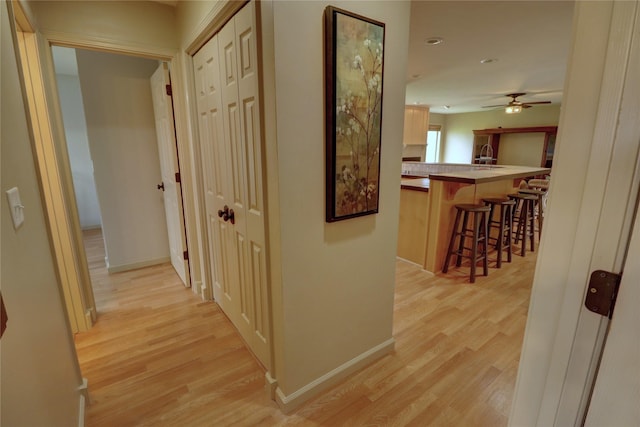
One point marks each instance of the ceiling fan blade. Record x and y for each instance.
(536, 102)
(526, 106)
(493, 106)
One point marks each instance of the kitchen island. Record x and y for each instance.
(427, 204)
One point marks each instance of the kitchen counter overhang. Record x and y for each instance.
(479, 175)
(427, 205)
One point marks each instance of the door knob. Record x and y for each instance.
(161, 186)
(227, 214)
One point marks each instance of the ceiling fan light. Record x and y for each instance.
(512, 109)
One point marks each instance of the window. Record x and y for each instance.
(432, 154)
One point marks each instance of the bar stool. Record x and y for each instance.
(478, 235)
(525, 219)
(537, 207)
(504, 226)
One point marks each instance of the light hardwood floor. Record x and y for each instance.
(158, 356)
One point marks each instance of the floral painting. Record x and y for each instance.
(354, 70)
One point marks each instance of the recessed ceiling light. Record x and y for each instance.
(432, 41)
(488, 60)
(446, 107)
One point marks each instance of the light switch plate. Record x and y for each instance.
(15, 205)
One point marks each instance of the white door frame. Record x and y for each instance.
(591, 204)
(55, 176)
(48, 39)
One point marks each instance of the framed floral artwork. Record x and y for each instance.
(354, 60)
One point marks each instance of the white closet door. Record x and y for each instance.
(229, 122)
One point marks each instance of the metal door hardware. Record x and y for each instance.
(227, 214)
(161, 186)
(602, 292)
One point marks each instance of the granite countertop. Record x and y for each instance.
(490, 173)
(418, 184)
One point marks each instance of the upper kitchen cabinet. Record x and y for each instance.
(416, 125)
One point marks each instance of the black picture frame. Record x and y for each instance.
(354, 75)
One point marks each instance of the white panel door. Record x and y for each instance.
(167, 149)
(230, 140)
(616, 396)
(213, 154)
(248, 200)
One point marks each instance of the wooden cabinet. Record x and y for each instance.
(481, 154)
(416, 125)
(491, 136)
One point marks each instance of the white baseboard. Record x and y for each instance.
(81, 411)
(297, 398)
(271, 384)
(201, 288)
(136, 265)
(84, 398)
(416, 264)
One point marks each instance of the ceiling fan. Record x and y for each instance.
(515, 106)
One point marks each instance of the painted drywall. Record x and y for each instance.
(114, 22)
(458, 141)
(521, 149)
(191, 17)
(337, 279)
(335, 301)
(75, 129)
(40, 375)
(122, 139)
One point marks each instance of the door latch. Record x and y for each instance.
(602, 292)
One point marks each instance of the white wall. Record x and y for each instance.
(521, 149)
(141, 23)
(75, 129)
(334, 301)
(458, 141)
(122, 138)
(40, 375)
(414, 151)
(337, 279)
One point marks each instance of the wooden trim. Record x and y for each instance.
(71, 266)
(532, 129)
(20, 16)
(105, 44)
(219, 15)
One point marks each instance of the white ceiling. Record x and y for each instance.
(529, 39)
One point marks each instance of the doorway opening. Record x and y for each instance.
(432, 152)
(121, 148)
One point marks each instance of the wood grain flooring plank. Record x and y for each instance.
(159, 356)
